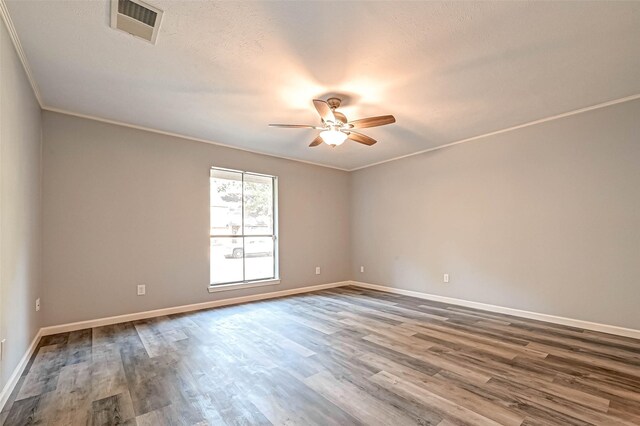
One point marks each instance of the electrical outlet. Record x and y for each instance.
(362, 269)
(317, 270)
(445, 278)
(142, 290)
(37, 304)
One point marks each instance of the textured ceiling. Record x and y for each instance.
(222, 71)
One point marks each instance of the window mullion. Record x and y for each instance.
(244, 246)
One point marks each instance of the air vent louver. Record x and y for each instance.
(137, 12)
(137, 18)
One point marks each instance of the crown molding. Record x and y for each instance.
(181, 136)
(18, 47)
(447, 145)
(4, 11)
(6, 17)
(508, 129)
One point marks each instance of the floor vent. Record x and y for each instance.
(137, 18)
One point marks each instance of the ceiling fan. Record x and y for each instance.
(335, 126)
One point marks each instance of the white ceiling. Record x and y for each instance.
(222, 71)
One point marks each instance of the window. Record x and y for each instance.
(244, 227)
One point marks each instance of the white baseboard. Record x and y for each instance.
(587, 325)
(45, 331)
(64, 328)
(17, 372)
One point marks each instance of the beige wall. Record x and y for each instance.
(124, 207)
(20, 208)
(545, 218)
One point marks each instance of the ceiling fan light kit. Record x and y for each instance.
(333, 137)
(336, 128)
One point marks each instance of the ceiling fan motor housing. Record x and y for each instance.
(334, 102)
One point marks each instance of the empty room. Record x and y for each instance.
(319, 212)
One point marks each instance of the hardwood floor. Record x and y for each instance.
(335, 357)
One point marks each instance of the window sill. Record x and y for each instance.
(239, 286)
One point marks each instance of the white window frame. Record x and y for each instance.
(276, 257)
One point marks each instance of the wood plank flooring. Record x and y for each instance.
(335, 357)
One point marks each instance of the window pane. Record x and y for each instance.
(258, 258)
(226, 260)
(258, 205)
(242, 228)
(226, 202)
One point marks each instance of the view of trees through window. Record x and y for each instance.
(243, 239)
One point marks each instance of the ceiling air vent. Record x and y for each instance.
(137, 18)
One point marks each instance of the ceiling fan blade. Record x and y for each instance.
(324, 110)
(294, 126)
(373, 121)
(317, 141)
(359, 137)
